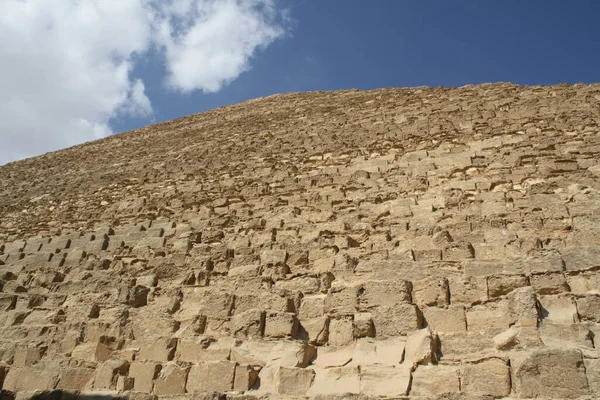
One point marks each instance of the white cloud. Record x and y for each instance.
(67, 65)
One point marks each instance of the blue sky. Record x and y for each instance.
(319, 45)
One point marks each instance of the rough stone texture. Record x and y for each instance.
(421, 243)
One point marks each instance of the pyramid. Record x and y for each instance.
(419, 243)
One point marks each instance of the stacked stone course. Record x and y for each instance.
(422, 243)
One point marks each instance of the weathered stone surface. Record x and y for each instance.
(486, 377)
(424, 243)
(551, 373)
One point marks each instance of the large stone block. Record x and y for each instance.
(383, 293)
(171, 380)
(211, 377)
(434, 380)
(341, 331)
(335, 381)
(291, 381)
(489, 377)
(379, 380)
(371, 351)
(30, 379)
(281, 325)
(431, 291)
(108, 373)
(397, 320)
(450, 319)
(75, 378)
(552, 373)
(589, 308)
(245, 377)
(144, 375)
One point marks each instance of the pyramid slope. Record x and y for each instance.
(425, 242)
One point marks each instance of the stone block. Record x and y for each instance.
(581, 258)
(248, 324)
(107, 374)
(551, 283)
(335, 381)
(421, 348)
(273, 257)
(434, 380)
(489, 377)
(385, 293)
(493, 316)
(245, 377)
(469, 290)
(363, 325)
(450, 319)
(584, 283)
(341, 300)
(380, 380)
(124, 383)
(293, 381)
(589, 308)
(370, 351)
(550, 373)
(161, 350)
(431, 291)
(144, 375)
(314, 330)
(281, 325)
(211, 377)
(522, 305)
(341, 331)
(312, 306)
(500, 285)
(329, 356)
(196, 350)
(30, 379)
(397, 320)
(26, 356)
(7, 301)
(171, 380)
(75, 378)
(558, 309)
(592, 370)
(565, 335)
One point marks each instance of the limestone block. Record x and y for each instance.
(341, 300)
(245, 377)
(421, 348)
(29, 379)
(341, 331)
(489, 316)
(293, 381)
(124, 383)
(26, 355)
(363, 325)
(522, 305)
(458, 251)
(273, 257)
(314, 330)
(427, 254)
(75, 378)
(211, 377)
(281, 325)
(584, 283)
(171, 380)
(431, 291)
(385, 293)
(7, 301)
(459, 346)
(136, 296)
(581, 258)
(589, 308)
(397, 320)
(592, 370)
(558, 309)
(250, 323)
(195, 350)
(565, 335)
(161, 349)
(244, 271)
(107, 374)
(535, 261)
(380, 380)
(328, 357)
(550, 373)
(551, 283)
(450, 319)
(312, 306)
(486, 377)
(502, 284)
(469, 290)
(370, 351)
(335, 381)
(144, 375)
(434, 380)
